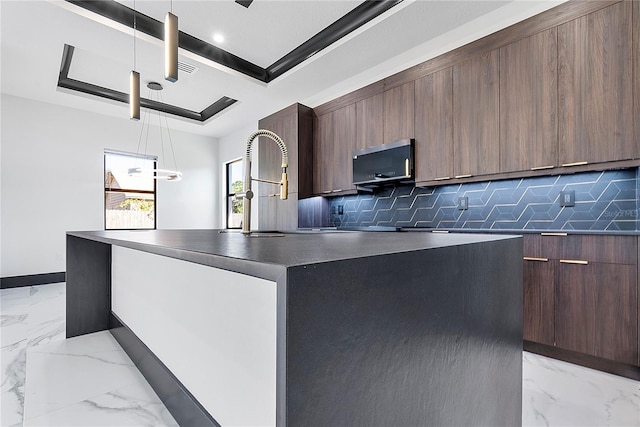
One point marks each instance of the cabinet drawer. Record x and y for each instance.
(604, 249)
(539, 246)
(591, 248)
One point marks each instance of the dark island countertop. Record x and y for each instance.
(362, 328)
(265, 255)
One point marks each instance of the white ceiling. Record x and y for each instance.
(33, 34)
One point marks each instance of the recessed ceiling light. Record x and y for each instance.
(218, 38)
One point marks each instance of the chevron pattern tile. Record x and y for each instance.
(604, 201)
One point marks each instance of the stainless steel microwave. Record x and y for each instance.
(384, 163)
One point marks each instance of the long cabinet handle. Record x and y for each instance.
(464, 176)
(574, 164)
(574, 261)
(442, 178)
(538, 168)
(530, 258)
(337, 191)
(553, 234)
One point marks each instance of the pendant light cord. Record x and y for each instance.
(134, 34)
(166, 122)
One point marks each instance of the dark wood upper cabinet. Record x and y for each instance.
(596, 310)
(294, 125)
(323, 154)
(399, 113)
(528, 103)
(344, 123)
(333, 148)
(370, 122)
(636, 71)
(270, 157)
(539, 301)
(476, 102)
(595, 90)
(434, 126)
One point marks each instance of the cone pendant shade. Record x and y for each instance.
(134, 95)
(171, 47)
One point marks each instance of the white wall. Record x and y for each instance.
(52, 180)
(232, 147)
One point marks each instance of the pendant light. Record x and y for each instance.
(171, 46)
(134, 78)
(157, 173)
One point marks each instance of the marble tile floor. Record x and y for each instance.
(82, 381)
(90, 381)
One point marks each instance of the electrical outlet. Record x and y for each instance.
(463, 203)
(567, 198)
(340, 210)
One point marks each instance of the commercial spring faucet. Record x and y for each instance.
(247, 194)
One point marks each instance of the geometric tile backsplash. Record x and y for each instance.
(603, 201)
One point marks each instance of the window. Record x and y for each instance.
(234, 185)
(129, 201)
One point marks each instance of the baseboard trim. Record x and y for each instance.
(184, 407)
(609, 366)
(32, 280)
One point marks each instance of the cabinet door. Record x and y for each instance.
(595, 87)
(539, 301)
(434, 126)
(528, 103)
(636, 75)
(476, 137)
(344, 124)
(270, 157)
(399, 113)
(369, 122)
(323, 155)
(275, 214)
(596, 310)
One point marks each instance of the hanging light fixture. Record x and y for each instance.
(134, 95)
(171, 46)
(134, 78)
(156, 173)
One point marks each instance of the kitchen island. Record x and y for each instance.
(313, 329)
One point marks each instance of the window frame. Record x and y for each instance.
(125, 190)
(228, 193)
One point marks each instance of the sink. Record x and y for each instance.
(266, 234)
(256, 233)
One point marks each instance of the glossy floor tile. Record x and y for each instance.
(556, 393)
(50, 381)
(90, 381)
(29, 317)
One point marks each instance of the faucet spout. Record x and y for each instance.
(247, 192)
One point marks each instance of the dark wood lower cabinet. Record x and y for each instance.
(538, 316)
(581, 300)
(596, 310)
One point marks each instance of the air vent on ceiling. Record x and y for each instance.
(245, 3)
(187, 68)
